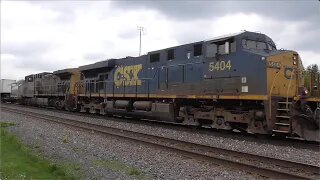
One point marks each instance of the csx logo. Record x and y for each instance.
(289, 73)
(127, 75)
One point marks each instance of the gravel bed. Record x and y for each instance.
(293, 153)
(91, 151)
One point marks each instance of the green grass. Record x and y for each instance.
(6, 124)
(18, 162)
(122, 168)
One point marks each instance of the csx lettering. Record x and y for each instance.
(220, 66)
(288, 73)
(127, 75)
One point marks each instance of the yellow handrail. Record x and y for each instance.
(292, 73)
(274, 79)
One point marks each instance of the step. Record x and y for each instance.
(283, 109)
(282, 124)
(284, 117)
(279, 131)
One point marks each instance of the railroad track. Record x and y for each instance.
(297, 143)
(261, 165)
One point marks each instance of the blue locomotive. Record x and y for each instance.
(238, 81)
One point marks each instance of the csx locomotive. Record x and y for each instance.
(239, 81)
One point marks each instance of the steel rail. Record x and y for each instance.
(290, 141)
(262, 165)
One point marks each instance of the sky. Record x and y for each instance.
(38, 36)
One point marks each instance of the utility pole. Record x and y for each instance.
(140, 29)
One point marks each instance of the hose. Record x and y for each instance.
(316, 116)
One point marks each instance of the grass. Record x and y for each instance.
(6, 124)
(122, 168)
(65, 140)
(19, 162)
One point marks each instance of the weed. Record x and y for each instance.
(52, 167)
(74, 170)
(120, 167)
(77, 168)
(75, 149)
(6, 124)
(134, 172)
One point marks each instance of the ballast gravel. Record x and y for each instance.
(91, 151)
(264, 147)
(87, 148)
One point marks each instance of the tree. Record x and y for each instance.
(312, 79)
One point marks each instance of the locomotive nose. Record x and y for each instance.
(284, 68)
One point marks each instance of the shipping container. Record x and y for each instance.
(6, 86)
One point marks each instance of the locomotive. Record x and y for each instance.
(237, 81)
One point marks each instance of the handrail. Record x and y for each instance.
(153, 76)
(147, 79)
(287, 100)
(274, 79)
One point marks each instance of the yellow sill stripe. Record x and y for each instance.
(238, 97)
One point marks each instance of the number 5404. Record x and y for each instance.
(220, 65)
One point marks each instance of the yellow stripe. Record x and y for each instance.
(49, 94)
(245, 97)
(313, 99)
(237, 97)
(310, 99)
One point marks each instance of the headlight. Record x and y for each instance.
(295, 58)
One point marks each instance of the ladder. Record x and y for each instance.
(283, 125)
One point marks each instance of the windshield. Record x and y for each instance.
(250, 44)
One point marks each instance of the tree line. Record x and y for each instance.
(312, 79)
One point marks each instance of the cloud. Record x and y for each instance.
(49, 35)
(95, 56)
(189, 10)
(26, 48)
(309, 57)
(298, 18)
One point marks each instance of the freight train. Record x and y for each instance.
(238, 81)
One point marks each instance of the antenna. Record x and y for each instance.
(140, 29)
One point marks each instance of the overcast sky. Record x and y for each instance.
(39, 36)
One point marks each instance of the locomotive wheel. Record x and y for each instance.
(59, 105)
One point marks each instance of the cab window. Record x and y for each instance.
(102, 79)
(170, 54)
(221, 48)
(250, 44)
(226, 47)
(29, 79)
(155, 57)
(197, 50)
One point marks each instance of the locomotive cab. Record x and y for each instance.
(250, 64)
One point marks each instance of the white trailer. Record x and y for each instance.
(6, 87)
